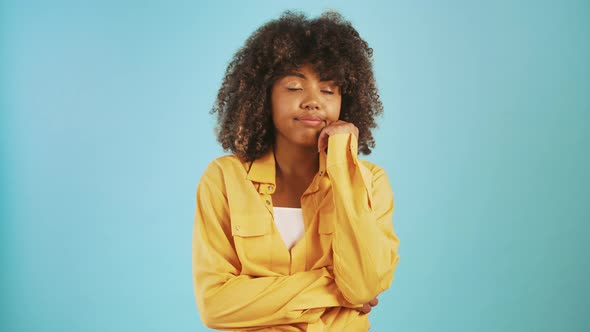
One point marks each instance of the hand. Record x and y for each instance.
(366, 308)
(336, 127)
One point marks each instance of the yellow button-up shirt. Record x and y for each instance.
(245, 277)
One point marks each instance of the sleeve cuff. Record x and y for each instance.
(342, 149)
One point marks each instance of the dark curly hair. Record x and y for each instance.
(329, 44)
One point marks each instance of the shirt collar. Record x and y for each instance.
(262, 170)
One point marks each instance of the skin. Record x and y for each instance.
(305, 112)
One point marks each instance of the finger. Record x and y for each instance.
(374, 302)
(321, 144)
(365, 309)
(323, 140)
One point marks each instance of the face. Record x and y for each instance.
(302, 105)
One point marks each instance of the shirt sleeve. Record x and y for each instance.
(364, 243)
(228, 300)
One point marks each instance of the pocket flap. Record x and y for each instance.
(326, 226)
(250, 225)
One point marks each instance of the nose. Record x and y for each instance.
(310, 102)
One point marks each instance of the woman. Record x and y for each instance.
(292, 231)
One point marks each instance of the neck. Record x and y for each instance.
(295, 160)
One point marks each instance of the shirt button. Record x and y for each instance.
(267, 202)
(269, 188)
(237, 228)
(321, 173)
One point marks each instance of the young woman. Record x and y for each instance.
(293, 232)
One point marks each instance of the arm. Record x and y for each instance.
(228, 300)
(364, 241)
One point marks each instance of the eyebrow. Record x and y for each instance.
(294, 73)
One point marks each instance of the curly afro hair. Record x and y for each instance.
(329, 44)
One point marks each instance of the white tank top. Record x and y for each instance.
(289, 222)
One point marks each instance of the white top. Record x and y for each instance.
(289, 222)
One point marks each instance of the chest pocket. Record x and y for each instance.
(253, 241)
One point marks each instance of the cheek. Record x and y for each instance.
(275, 109)
(276, 121)
(282, 110)
(279, 117)
(280, 103)
(335, 110)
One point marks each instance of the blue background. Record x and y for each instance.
(105, 131)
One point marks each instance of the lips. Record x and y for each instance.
(312, 121)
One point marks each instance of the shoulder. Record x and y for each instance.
(224, 169)
(227, 162)
(224, 166)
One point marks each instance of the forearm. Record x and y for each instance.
(364, 244)
(247, 302)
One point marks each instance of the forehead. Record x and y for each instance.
(307, 72)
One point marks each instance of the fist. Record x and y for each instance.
(366, 308)
(336, 127)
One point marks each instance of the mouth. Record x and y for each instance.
(311, 121)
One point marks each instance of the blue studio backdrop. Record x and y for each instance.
(105, 130)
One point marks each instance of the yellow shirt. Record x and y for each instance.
(244, 276)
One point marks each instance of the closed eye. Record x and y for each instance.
(294, 89)
(328, 92)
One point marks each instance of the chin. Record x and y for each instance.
(304, 139)
(306, 142)
(310, 143)
(310, 139)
